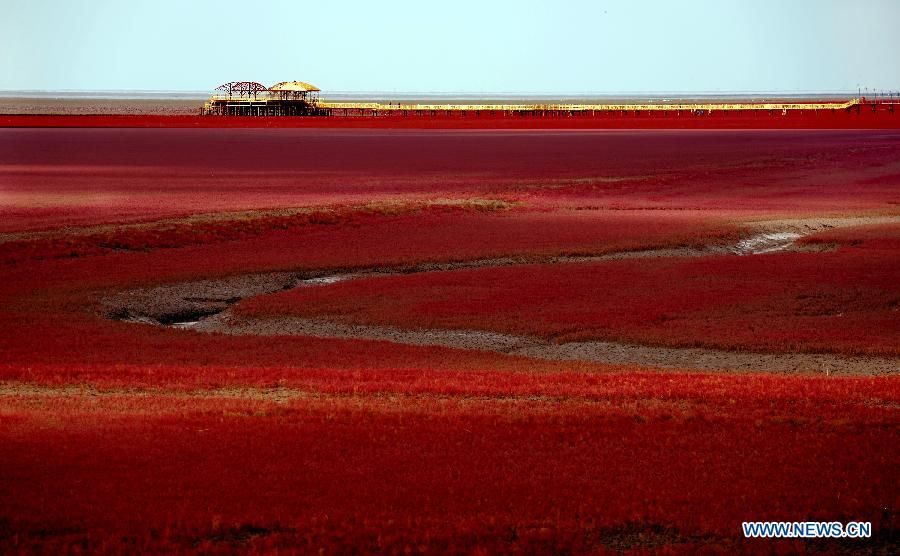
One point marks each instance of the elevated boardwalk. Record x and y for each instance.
(243, 99)
(562, 108)
(299, 98)
(229, 105)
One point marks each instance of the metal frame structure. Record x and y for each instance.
(242, 89)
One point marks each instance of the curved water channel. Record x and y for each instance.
(205, 306)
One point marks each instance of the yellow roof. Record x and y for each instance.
(294, 86)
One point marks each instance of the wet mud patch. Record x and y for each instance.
(192, 301)
(766, 243)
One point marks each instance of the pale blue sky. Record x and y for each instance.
(450, 46)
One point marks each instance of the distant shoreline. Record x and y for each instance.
(99, 107)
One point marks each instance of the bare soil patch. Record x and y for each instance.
(611, 353)
(807, 226)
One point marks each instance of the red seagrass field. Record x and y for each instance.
(468, 340)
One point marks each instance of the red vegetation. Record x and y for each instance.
(56, 177)
(674, 460)
(47, 321)
(344, 237)
(218, 443)
(845, 301)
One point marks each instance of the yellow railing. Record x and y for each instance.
(235, 98)
(590, 107)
